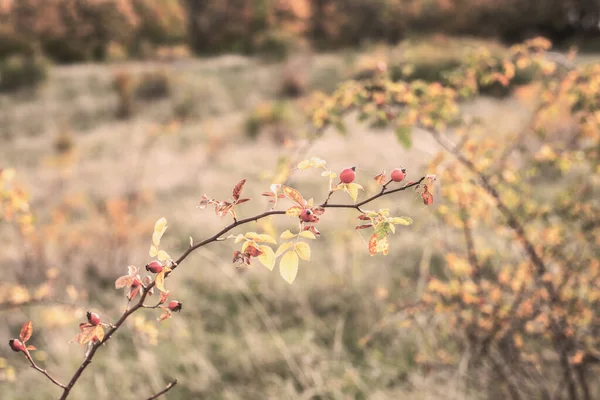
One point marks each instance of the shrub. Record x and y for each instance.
(22, 72)
(153, 85)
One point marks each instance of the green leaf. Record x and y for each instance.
(288, 267)
(382, 229)
(403, 133)
(401, 221)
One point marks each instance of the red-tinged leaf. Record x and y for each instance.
(84, 325)
(240, 201)
(87, 334)
(294, 211)
(427, 197)
(236, 255)
(237, 190)
(204, 201)
(160, 281)
(363, 226)
(312, 229)
(26, 331)
(318, 210)
(380, 179)
(294, 195)
(31, 347)
(165, 315)
(98, 334)
(373, 244)
(363, 217)
(133, 292)
(253, 251)
(222, 208)
(163, 296)
(123, 281)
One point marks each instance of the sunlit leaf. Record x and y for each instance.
(241, 237)
(288, 267)
(283, 248)
(294, 211)
(160, 280)
(163, 255)
(401, 220)
(26, 331)
(99, 333)
(293, 195)
(382, 229)
(123, 281)
(159, 229)
(266, 238)
(267, 258)
(153, 251)
(31, 347)
(352, 189)
(380, 179)
(303, 250)
(307, 235)
(304, 165)
(287, 235)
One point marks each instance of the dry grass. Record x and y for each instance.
(241, 335)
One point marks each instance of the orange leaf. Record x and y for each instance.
(237, 190)
(26, 331)
(164, 296)
(160, 281)
(380, 179)
(427, 197)
(294, 211)
(31, 347)
(123, 281)
(166, 315)
(373, 244)
(294, 195)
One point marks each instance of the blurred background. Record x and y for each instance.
(114, 113)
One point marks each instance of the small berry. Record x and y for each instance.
(347, 175)
(175, 305)
(16, 345)
(93, 318)
(398, 174)
(154, 266)
(307, 215)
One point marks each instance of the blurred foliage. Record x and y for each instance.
(20, 72)
(521, 299)
(74, 30)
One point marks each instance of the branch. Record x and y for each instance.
(214, 238)
(43, 371)
(165, 390)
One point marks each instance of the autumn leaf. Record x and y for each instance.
(237, 190)
(427, 197)
(294, 211)
(31, 347)
(307, 235)
(380, 179)
(26, 332)
(293, 195)
(401, 221)
(288, 267)
(159, 229)
(163, 255)
(153, 251)
(377, 245)
(303, 250)
(287, 235)
(267, 257)
(160, 279)
(283, 248)
(352, 189)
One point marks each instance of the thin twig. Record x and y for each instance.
(165, 390)
(43, 371)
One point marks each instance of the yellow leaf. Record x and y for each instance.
(153, 251)
(287, 235)
(26, 332)
(240, 237)
(163, 255)
(304, 165)
(267, 258)
(293, 211)
(263, 237)
(307, 235)
(288, 267)
(99, 332)
(352, 189)
(160, 281)
(303, 250)
(293, 195)
(159, 229)
(283, 248)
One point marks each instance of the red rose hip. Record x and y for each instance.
(154, 266)
(93, 318)
(307, 215)
(175, 305)
(16, 345)
(398, 174)
(347, 175)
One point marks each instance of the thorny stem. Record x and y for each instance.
(165, 390)
(214, 238)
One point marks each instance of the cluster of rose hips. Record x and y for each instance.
(156, 267)
(349, 174)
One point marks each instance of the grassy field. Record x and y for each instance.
(241, 335)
